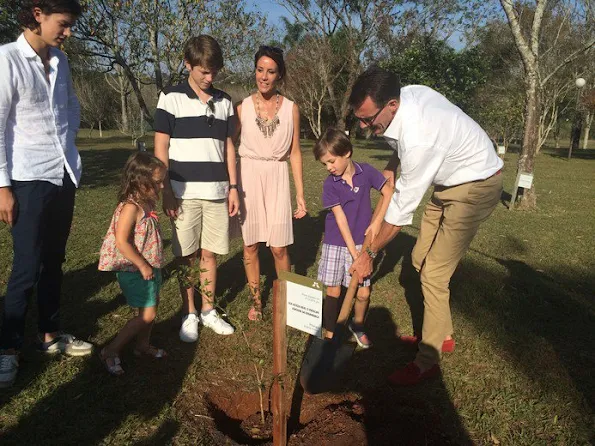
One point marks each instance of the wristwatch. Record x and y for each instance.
(233, 186)
(371, 253)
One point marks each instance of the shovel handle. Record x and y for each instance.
(349, 300)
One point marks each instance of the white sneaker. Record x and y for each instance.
(67, 344)
(189, 329)
(9, 366)
(215, 323)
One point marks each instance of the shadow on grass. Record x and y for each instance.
(387, 415)
(92, 405)
(308, 232)
(583, 154)
(103, 167)
(543, 321)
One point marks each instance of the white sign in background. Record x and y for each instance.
(526, 180)
(304, 308)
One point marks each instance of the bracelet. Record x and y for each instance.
(371, 253)
(233, 186)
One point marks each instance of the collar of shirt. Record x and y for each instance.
(396, 126)
(216, 94)
(358, 170)
(30, 53)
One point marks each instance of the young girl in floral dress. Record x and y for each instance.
(133, 248)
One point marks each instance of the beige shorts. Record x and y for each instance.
(201, 224)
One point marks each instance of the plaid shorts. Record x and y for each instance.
(334, 264)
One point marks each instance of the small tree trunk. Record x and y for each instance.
(100, 129)
(526, 161)
(123, 105)
(588, 121)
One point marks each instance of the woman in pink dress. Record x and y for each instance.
(270, 135)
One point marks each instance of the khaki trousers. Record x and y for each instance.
(450, 221)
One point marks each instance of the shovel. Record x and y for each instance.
(325, 358)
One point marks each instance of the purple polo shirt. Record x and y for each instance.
(355, 202)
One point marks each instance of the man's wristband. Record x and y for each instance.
(371, 253)
(233, 186)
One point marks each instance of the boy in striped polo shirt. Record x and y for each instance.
(194, 123)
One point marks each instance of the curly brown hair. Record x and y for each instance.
(137, 179)
(27, 19)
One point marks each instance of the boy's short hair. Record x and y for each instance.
(27, 20)
(334, 141)
(204, 51)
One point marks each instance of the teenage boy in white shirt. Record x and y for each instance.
(40, 169)
(437, 144)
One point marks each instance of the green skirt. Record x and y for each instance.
(140, 293)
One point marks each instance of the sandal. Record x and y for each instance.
(153, 352)
(112, 363)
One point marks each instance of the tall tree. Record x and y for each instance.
(145, 38)
(528, 41)
(429, 61)
(356, 28)
(312, 68)
(9, 27)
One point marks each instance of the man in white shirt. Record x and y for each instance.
(40, 169)
(437, 144)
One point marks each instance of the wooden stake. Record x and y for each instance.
(279, 362)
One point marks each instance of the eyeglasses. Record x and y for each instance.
(211, 118)
(369, 121)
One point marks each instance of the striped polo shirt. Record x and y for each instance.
(197, 167)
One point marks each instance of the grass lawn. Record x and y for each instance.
(522, 302)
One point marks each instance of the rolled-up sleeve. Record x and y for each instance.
(419, 166)
(6, 98)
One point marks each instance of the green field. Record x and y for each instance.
(523, 308)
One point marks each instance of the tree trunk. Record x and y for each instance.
(588, 121)
(156, 59)
(333, 101)
(135, 87)
(100, 130)
(526, 161)
(123, 104)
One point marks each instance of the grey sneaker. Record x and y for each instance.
(67, 344)
(9, 366)
(213, 321)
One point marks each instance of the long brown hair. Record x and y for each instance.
(137, 179)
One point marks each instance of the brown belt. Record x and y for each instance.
(441, 188)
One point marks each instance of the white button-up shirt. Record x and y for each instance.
(39, 118)
(437, 144)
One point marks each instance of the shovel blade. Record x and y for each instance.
(323, 361)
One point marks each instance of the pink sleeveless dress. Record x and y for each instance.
(263, 178)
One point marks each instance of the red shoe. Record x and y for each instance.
(410, 375)
(448, 346)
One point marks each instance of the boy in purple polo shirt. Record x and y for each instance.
(346, 192)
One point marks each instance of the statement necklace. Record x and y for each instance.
(267, 126)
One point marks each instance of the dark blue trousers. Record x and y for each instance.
(39, 236)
